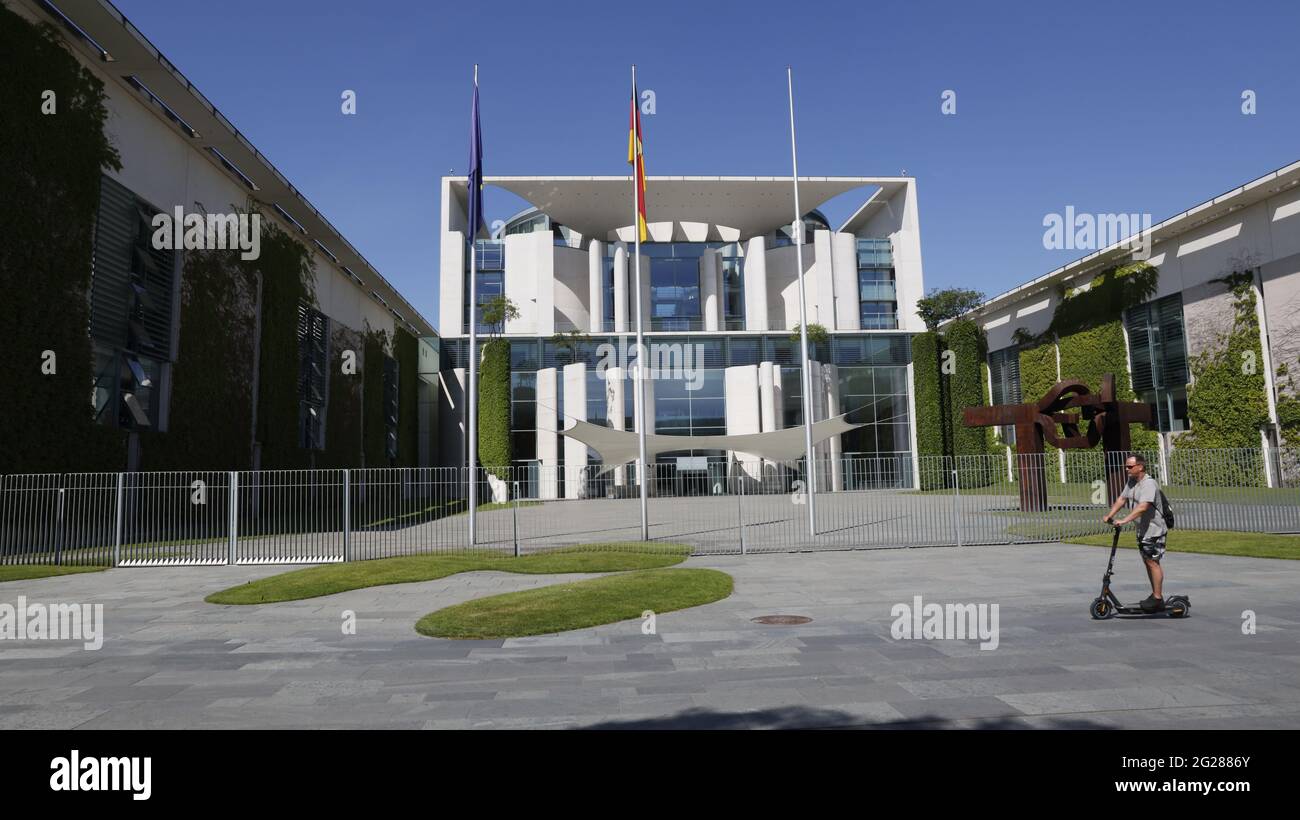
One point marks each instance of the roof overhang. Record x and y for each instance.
(1257, 190)
(743, 206)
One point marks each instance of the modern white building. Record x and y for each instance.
(719, 298)
(1253, 228)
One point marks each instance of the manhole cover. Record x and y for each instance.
(781, 620)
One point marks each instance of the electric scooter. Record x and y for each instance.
(1108, 606)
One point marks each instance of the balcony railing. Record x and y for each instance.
(879, 291)
(880, 321)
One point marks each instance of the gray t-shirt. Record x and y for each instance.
(1151, 523)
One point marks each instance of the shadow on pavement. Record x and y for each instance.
(802, 717)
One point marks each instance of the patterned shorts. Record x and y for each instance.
(1153, 549)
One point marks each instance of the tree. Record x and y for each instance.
(816, 334)
(949, 303)
(496, 312)
(569, 342)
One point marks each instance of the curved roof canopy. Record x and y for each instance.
(746, 206)
(618, 447)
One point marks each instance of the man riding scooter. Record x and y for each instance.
(1143, 492)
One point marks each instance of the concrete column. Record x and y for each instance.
(755, 285)
(831, 378)
(848, 303)
(767, 396)
(575, 452)
(548, 440)
(743, 412)
(545, 254)
(451, 284)
(620, 288)
(596, 285)
(710, 290)
(821, 301)
(615, 384)
(767, 407)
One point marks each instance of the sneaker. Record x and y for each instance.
(1152, 604)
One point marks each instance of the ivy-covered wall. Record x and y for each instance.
(343, 408)
(49, 194)
(494, 408)
(211, 411)
(406, 348)
(374, 429)
(967, 387)
(1037, 375)
(1090, 354)
(942, 397)
(288, 277)
(1227, 402)
(931, 421)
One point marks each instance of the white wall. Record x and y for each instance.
(900, 223)
(572, 288)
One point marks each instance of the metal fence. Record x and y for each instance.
(716, 507)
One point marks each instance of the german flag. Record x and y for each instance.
(636, 157)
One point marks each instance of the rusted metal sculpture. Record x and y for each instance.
(1034, 423)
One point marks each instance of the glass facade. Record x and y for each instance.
(491, 267)
(876, 289)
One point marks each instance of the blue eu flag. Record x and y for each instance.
(475, 169)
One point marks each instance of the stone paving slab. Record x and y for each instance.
(169, 660)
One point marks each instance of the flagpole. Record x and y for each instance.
(472, 405)
(810, 463)
(647, 413)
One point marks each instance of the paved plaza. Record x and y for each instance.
(169, 660)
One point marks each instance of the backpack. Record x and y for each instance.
(1166, 511)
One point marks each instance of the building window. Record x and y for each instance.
(1004, 379)
(1158, 359)
(523, 416)
(733, 288)
(131, 312)
(491, 265)
(877, 293)
(313, 376)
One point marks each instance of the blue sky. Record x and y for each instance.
(1108, 107)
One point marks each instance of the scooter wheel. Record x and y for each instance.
(1101, 609)
(1180, 608)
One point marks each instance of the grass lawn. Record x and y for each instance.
(331, 578)
(21, 572)
(577, 605)
(1212, 542)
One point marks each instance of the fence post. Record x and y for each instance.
(347, 516)
(117, 525)
(514, 517)
(234, 517)
(58, 530)
(956, 500)
(740, 513)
